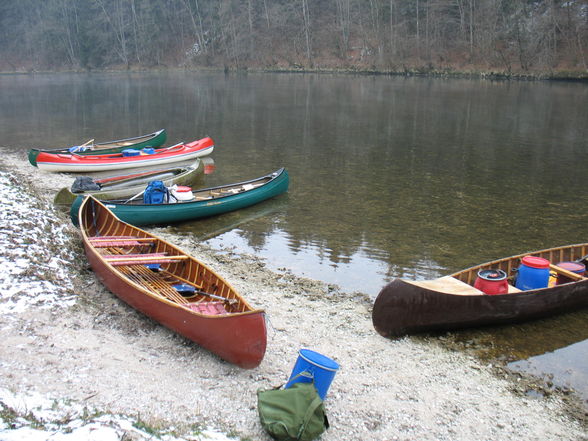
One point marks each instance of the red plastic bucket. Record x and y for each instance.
(492, 282)
(573, 267)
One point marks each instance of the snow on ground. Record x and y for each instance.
(36, 418)
(23, 224)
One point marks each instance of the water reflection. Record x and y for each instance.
(558, 366)
(554, 348)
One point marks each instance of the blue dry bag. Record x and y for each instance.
(155, 193)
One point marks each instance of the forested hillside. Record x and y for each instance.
(506, 36)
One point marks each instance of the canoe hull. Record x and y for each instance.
(239, 336)
(172, 176)
(162, 214)
(240, 340)
(403, 307)
(153, 140)
(97, 163)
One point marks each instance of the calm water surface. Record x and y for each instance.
(390, 177)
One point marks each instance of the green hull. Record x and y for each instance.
(126, 188)
(155, 139)
(164, 214)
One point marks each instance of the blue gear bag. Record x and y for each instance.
(156, 193)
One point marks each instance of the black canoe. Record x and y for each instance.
(451, 302)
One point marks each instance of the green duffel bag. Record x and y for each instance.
(296, 413)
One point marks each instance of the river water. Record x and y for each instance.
(390, 176)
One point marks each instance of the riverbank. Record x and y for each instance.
(415, 71)
(89, 348)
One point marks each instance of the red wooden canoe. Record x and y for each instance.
(171, 287)
(452, 302)
(59, 162)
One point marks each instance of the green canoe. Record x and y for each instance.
(203, 203)
(126, 186)
(154, 139)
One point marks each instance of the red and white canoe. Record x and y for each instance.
(60, 162)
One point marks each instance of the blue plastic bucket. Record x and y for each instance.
(312, 366)
(533, 273)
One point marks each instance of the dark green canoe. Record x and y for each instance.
(204, 203)
(154, 139)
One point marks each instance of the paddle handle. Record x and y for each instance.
(213, 296)
(565, 272)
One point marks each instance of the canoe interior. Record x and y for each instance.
(129, 249)
(510, 264)
(208, 194)
(142, 178)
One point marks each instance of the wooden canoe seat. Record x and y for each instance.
(449, 285)
(120, 241)
(141, 259)
(208, 308)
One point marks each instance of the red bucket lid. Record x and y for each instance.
(183, 188)
(574, 267)
(535, 262)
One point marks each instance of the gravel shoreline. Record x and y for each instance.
(96, 350)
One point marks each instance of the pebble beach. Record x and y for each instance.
(89, 365)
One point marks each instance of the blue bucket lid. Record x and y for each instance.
(319, 359)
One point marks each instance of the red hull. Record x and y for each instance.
(59, 162)
(238, 337)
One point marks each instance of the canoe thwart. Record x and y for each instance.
(125, 242)
(141, 259)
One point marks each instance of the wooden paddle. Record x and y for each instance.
(78, 147)
(564, 272)
(202, 293)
